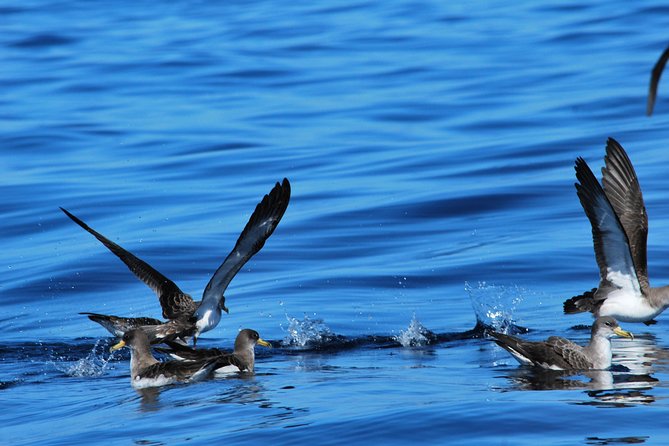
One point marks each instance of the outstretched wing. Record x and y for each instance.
(624, 193)
(173, 301)
(655, 80)
(261, 225)
(612, 250)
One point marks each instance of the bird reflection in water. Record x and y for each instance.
(149, 399)
(627, 383)
(619, 440)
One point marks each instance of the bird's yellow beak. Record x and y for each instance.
(624, 333)
(115, 347)
(264, 343)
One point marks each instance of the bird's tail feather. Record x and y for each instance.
(581, 303)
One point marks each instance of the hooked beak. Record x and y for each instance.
(624, 333)
(264, 343)
(118, 346)
(224, 308)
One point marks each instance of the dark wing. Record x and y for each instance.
(624, 193)
(570, 353)
(541, 354)
(180, 370)
(655, 80)
(261, 225)
(185, 353)
(119, 325)
(173, 301)
(181, 327)
(612, 250)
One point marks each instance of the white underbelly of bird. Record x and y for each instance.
(145, 383)
(209, 320)
(628, 307)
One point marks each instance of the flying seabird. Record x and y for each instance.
(185, 316)
(242, 359)
(655, 75)
(147, 371)
(557, 353)
(619, 231)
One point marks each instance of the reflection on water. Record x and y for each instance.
(241, 389)
(627, 383)
(604, 387)
(621, 440)
(149, 399)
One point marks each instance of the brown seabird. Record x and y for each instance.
(185, 316)
(557, 353)
(242, 359)
(147, 371)
(619, 223)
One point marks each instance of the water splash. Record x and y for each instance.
(306, 332)
(416, 335)
(94, 364)
(494, 305)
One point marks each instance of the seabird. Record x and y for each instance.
(619, 223)
(242, 359)
(147, 371)
(655, 80)
(557, 353)
(185, 316)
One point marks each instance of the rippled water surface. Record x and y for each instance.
(430, 148)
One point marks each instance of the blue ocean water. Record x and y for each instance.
(430, 148)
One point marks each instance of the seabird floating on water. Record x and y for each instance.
(185, 316)
(147, 371)
(619, 223)
(557, 353)
(242, 359)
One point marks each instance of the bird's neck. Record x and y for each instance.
(599, 350)
(247, 355)
(140, 359)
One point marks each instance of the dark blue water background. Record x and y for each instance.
(430, 148)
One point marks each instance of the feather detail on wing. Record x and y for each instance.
(179, 370)
(260, 226)
(555, 353)
(221, 357)
(173, 301)
(612, 249)
(570, 352)
(624, 193)
(119, 325)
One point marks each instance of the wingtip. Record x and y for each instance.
(649, 107)
(612, 144)
(74, 218)
(284, 186)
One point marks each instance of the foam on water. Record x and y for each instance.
(306, 332)
(416, 335)
(494, 305)
(94, 364)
